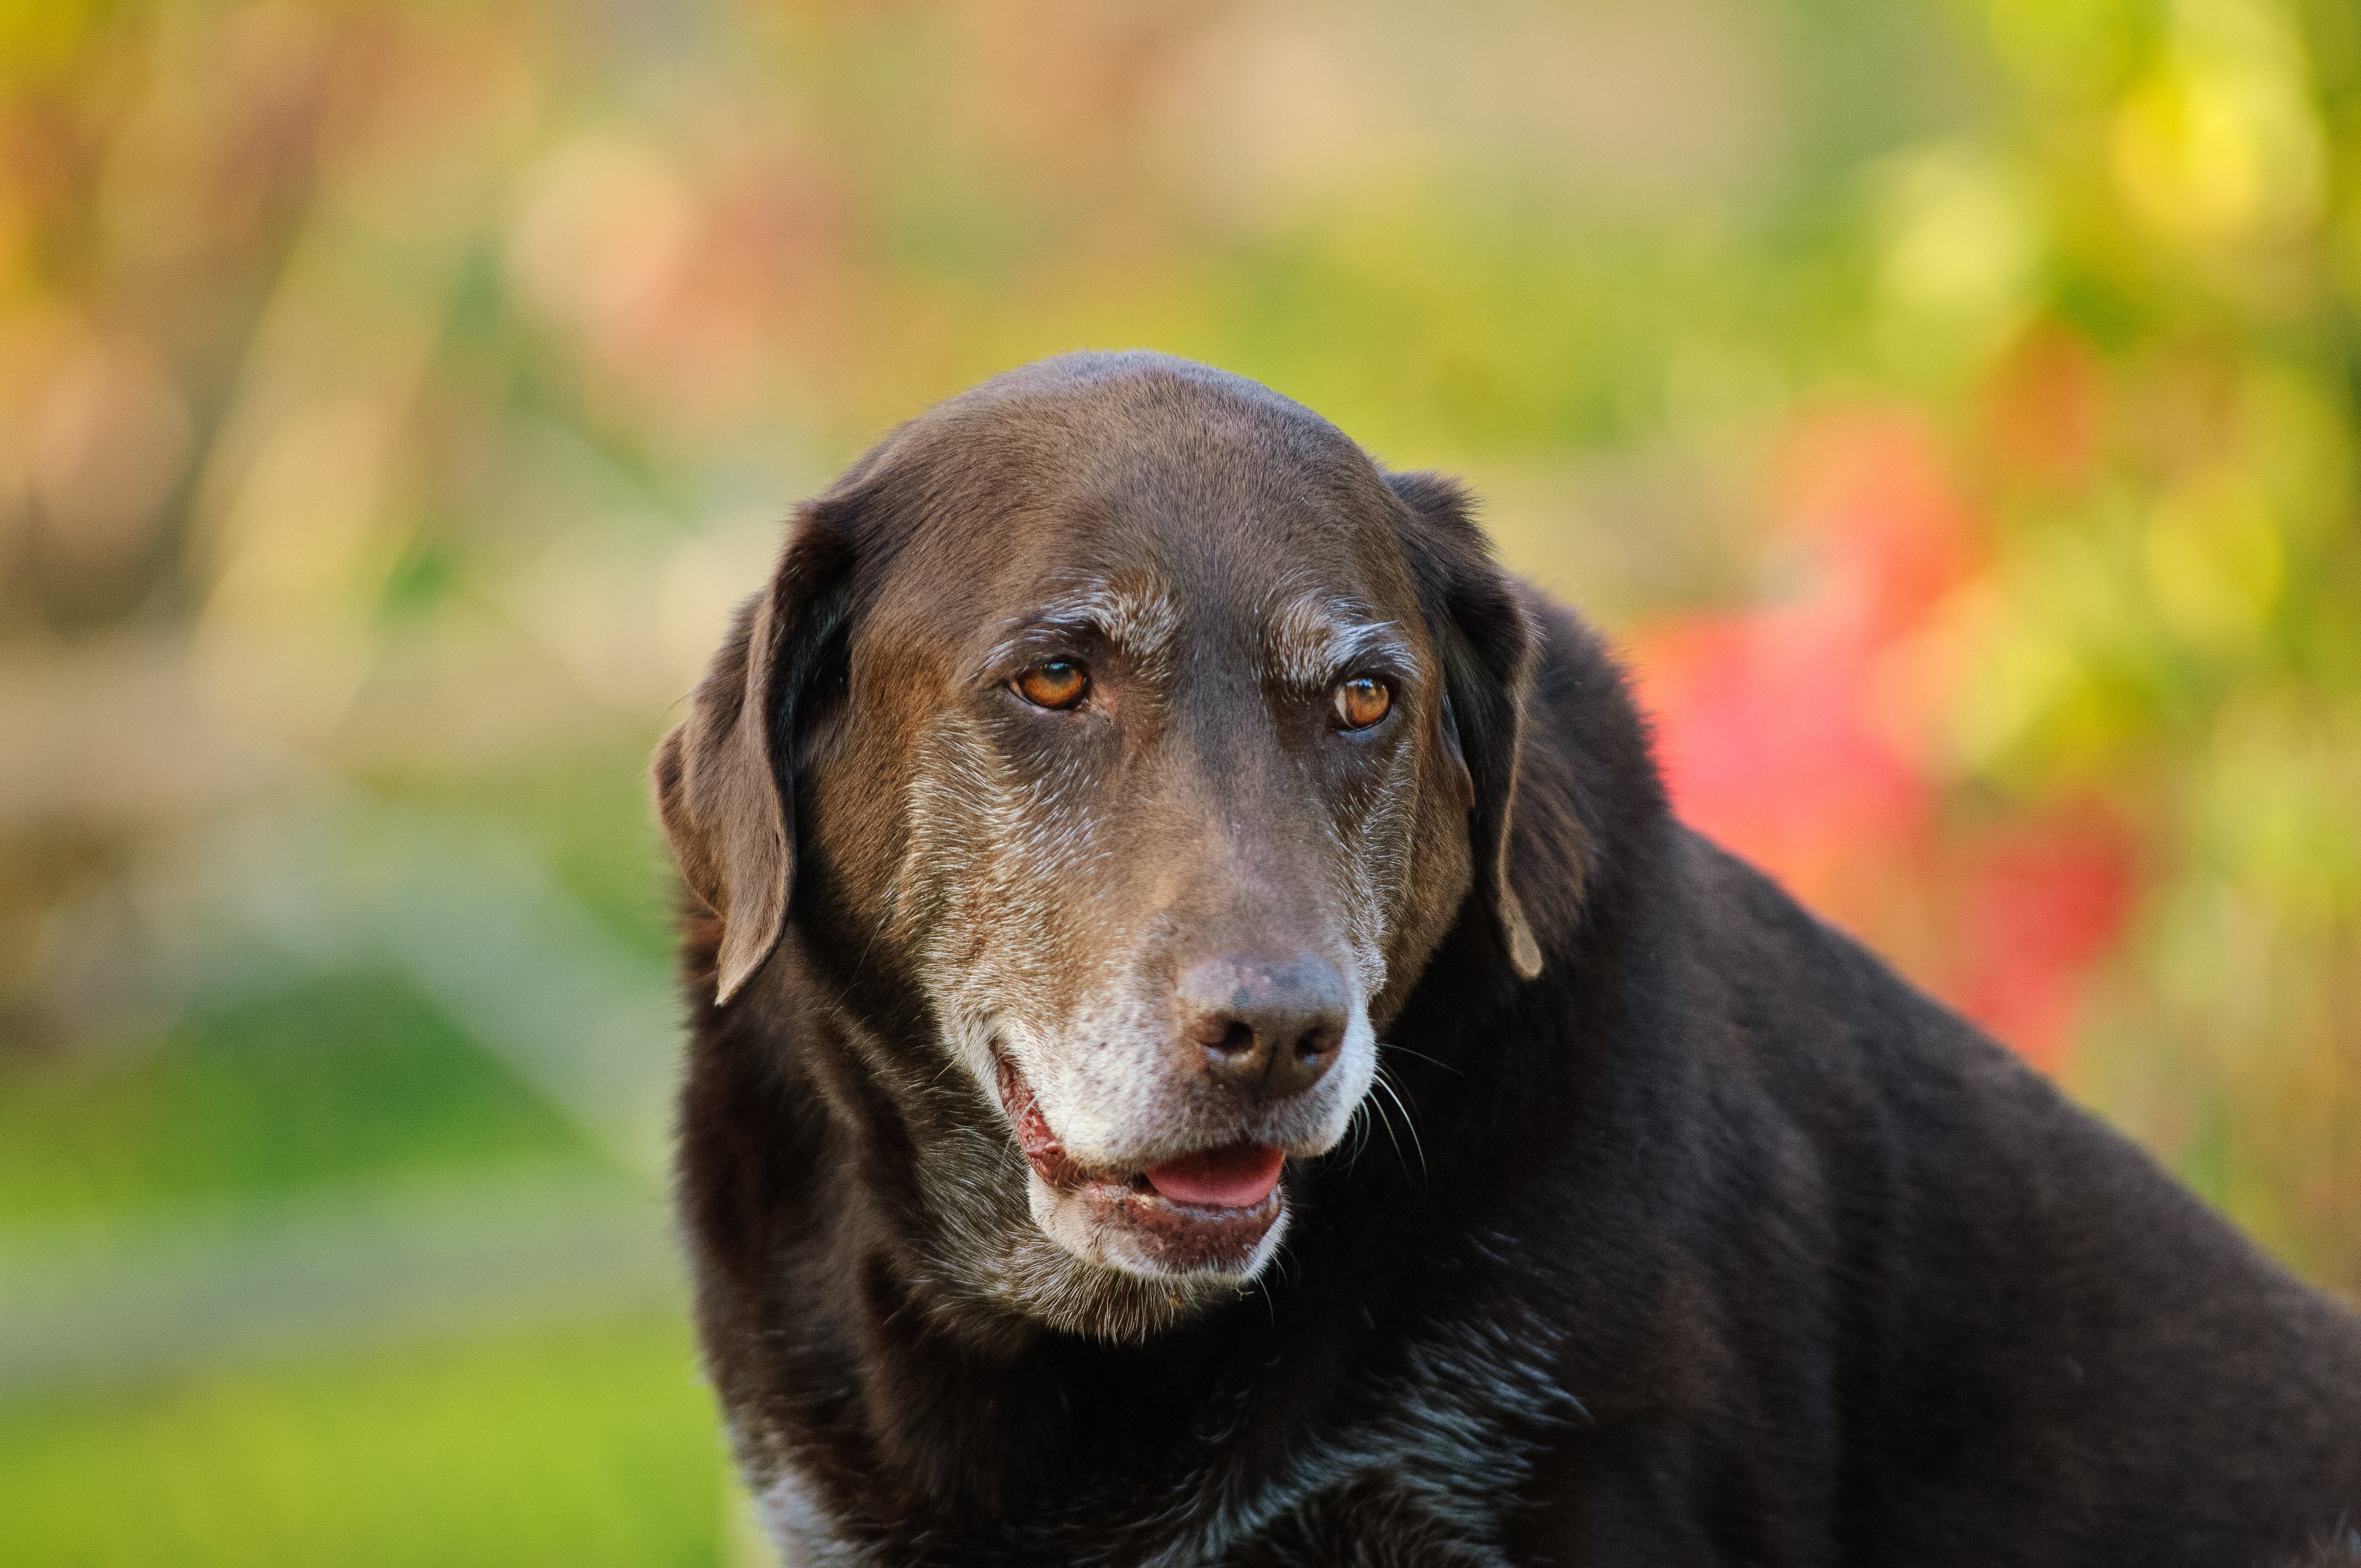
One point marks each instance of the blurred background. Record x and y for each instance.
(1951, 406)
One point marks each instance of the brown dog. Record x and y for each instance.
(1118, 757)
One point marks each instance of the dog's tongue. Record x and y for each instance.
(1238, 1177)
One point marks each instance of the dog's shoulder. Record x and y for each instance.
(2030, 1304)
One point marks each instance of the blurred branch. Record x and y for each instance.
(334, 1271)
(468, 916)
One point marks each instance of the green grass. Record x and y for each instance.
(569, 1445)
(348, 1079)
(576, 1448)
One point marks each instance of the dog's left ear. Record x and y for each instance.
(725, 776)
(1488, 643)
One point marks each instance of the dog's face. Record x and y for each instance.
(1148, 739)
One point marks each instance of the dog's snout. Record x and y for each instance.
(1269, 1029)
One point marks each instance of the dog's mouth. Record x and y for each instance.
(1207, 1210)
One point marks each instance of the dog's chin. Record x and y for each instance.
(1128, 1226)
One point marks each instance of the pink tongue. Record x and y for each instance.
(1238, 1177)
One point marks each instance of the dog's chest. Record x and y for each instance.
(1369, 1519)
(1418, 1478)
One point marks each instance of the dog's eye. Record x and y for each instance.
(1362, 701)
(1059, 684)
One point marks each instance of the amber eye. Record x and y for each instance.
(1362, 701)
(1061, 683)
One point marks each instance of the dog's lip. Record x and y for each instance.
(1233, 1179)
(1043, 1152)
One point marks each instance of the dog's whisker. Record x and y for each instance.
(1356, 1133)
(1410, 1123)
(1386, 1122)
(1404, 1050)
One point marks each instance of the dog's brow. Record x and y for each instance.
(1137, 617)
(1314, 639)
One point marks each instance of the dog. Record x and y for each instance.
(1209, 1047)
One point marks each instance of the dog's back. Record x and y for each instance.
(2045, 1350)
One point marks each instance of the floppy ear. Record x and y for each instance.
(725, 775)
(1488, 644)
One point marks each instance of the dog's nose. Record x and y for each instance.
(1269, 1028)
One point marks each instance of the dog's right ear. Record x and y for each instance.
(725, 776)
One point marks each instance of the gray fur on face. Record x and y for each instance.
(1033, 939)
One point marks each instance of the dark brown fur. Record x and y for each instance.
(1710, 1240)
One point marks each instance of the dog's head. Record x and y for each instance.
(1119, 742)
